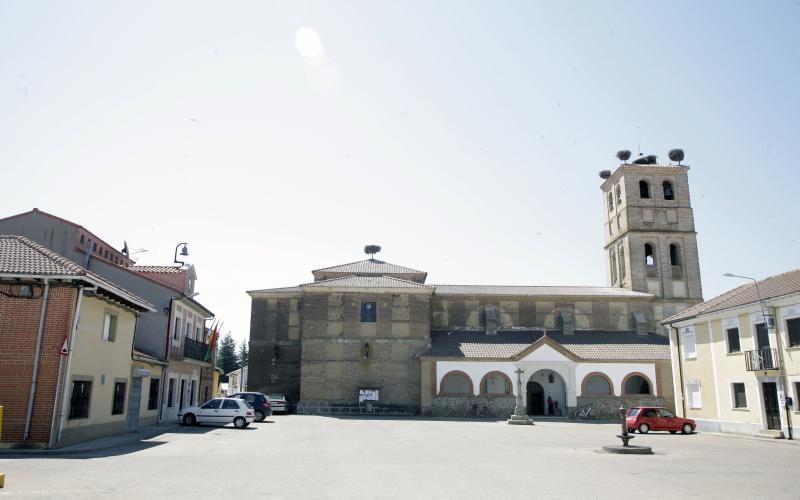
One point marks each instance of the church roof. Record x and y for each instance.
(775, 286)
(583, 344)
(370, 266)
(366, 282)
(539, 291)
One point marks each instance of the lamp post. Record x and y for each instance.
(770, 322)
(184, 252)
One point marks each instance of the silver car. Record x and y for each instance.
(277, 402)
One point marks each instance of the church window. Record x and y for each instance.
(550, 378)
(610, 202)
(649, 256)
(495, 384)
(674, 255)
(619, 195)
(456, 383)
(636, 384)
(622, 264)
(596, 384)
(369, 312)
(669, 194)
(644, 189)
(613, 267)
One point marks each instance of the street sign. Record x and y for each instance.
(65, 348)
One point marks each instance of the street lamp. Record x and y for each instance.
(184, 252)
(770, 322)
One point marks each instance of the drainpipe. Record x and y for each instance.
(26, 433)
(62, 419)
(51, 443)
(680, 368)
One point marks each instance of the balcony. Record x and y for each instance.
(761, 359)
(193, 349)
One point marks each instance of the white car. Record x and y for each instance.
(277, 402)
(220, 411)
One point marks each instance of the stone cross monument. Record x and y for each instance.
(519, 417)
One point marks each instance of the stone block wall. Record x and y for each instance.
(473, 406)
(607, 407)
(274, 348)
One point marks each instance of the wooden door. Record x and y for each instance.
(771, 408)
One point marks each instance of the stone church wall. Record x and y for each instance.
(473, 406)
(274, 349)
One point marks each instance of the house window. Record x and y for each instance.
(192, 395)
(739, 395)
(171, 393)
(793, 329)
(118, 406)
(689, 345)
(197, 336)
(733, 340)
(79, 402)
(369, 312)
(188, 331)
(82, 239)
(693, 395)
(674, 255)
(649, 256)
(644, 189)
(456, 383)
(669, 194)
(176, 333)
(109, 327)
(152, 398)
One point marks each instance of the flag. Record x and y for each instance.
(212, 340)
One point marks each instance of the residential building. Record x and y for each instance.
(736, 358)
(237, 380)
(173, 335)
(66, 350)
(374, 336)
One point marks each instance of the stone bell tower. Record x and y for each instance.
(650, 238)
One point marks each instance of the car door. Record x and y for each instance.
(209, 412)
(667, 421)
(650, 417)
(230, 410)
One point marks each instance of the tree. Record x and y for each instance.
(241, 356)
(226, 356)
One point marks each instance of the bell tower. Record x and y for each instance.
(650, 238)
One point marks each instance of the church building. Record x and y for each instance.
(375, 337)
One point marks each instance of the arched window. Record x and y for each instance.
(456, 383)
(669, 194)
(596, 384)
(495, 384)
(644, 189)
(551, 379)
(636, 384)
(613, 267)
(674, 255)
(619, 195)
(610, 202)
(649, 256)
(622, 265)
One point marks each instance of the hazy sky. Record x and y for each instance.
(463, 137)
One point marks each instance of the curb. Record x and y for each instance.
(88, 447)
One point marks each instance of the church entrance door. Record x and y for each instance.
(535, 399)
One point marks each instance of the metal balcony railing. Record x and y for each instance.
(194, 350)
(761, 359)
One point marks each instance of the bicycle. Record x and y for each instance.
(585, 413)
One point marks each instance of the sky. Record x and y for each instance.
(465, 138)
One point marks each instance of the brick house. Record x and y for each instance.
(374, 336)
(172, 338)
(48, 303)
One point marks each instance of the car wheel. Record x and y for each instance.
(260, 416)
(672, 432)
(189, 419)
(644, 428)
(239, 422)
(687, 429)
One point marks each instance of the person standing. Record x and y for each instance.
(550, 405)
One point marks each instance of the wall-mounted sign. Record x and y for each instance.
(368, 395)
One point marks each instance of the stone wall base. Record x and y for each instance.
(307, 407)
(472, 406)
(607, 407)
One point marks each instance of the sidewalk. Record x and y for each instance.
(103, 443)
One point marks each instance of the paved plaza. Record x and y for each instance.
(321, 457)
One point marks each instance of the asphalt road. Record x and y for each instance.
(321, 457)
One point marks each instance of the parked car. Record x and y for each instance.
(260, 403)
(278, 402)
(219, 411)
(653, 418)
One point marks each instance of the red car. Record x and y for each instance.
(653, 418)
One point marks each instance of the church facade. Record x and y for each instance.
(375, 337)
